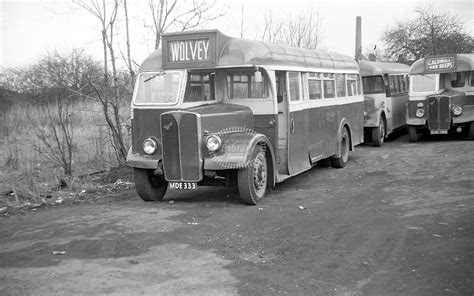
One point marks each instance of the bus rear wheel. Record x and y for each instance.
(149, 186)
(378, 133)
(412, 134)
(341, 161)
(253, 179)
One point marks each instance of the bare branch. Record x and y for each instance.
(167, 15)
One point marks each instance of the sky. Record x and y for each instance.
(29, 29)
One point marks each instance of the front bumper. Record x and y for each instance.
(416, 121)
(141, 161)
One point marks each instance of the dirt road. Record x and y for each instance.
(398, 220)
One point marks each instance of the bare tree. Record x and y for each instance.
(180, 16)
(110, 101)
(129, 58)
(428, 32)
(57, 135)
(273, 29)
(302, 30)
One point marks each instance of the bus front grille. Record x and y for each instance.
(181, 134)
(439, 113)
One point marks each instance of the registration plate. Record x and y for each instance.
(183, 185)
(439, 132)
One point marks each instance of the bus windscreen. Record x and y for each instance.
(158, 88)
(373, 85)
(423, 83)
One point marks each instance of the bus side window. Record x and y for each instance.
(314, 86)
(294, 81)
(258, 85)
(304, 86)
(385, 85)
(391, 80)
(340, 85)
(401, 83)
(351, 84)
(200, 87)
(246, 85)
(397, 85)
(280, 78)
(328, 85)
(458, 79)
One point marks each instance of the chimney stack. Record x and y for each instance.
(358, 41)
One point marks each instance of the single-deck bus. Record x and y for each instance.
(441, 95)
(385, 97)
(211, 109)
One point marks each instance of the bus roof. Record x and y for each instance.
(226, 51)
(443, 64)
(250, 52)
(369, 68)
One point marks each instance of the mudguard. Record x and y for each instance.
(342, 124)
(413, 120)
(236, 151)
(141, 161)
(372, 119)
(466, 116)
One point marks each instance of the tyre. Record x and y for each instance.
(149, 186)
(341, 161)
(378, 133)
(253, 179)
(470, 134)
(412, 133)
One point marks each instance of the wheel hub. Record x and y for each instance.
(260, 175)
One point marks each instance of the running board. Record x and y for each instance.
(282, 177)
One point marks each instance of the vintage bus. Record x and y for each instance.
(385, 98)
(209, 109)
(441, 95)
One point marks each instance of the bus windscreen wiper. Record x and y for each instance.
(155, 75)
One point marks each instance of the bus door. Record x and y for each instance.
(387, 102)
(282, 99)
(399, 98)
(298, 127)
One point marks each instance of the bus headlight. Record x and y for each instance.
(457, 110)
(149, 146)
(213, 143)
(420, 112)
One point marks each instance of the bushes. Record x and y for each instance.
(28, 173)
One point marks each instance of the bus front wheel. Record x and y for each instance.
(412, 133)
(341, 161)
(148, 185)
(253, 179)
(378, 133)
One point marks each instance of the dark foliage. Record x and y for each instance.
(430, 32)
